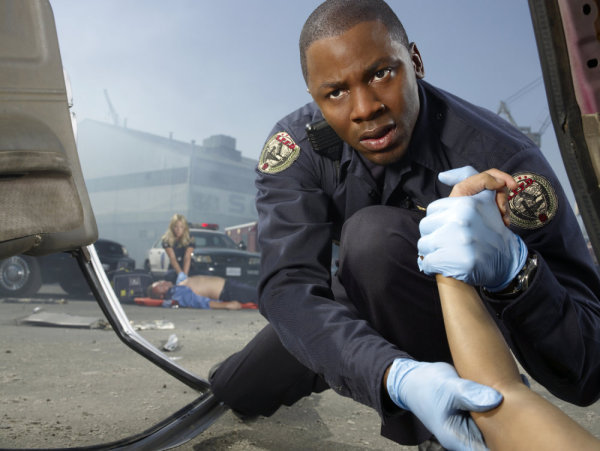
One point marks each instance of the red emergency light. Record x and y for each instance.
(204, 225)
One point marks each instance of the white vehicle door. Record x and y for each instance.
(159, 261)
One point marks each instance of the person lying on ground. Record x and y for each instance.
(216, 287)
(204, 292)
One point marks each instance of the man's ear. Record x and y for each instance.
(417, 61)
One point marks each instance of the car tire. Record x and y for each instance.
(75, 285)
(20, 276)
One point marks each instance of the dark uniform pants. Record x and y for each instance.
(238, 291)
(379, 272)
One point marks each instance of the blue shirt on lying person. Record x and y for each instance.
(183, 296)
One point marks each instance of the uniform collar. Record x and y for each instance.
(425, 148)
(425, 144)
(352, 163)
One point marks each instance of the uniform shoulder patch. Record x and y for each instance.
(534, 203)
(278, 154)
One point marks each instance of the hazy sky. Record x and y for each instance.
(197, 68)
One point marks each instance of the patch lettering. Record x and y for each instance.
(534, 203)
(278, 154)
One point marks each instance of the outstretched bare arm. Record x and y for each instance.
(524, 420)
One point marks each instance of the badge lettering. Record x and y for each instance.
(285, 141)
(525, 183)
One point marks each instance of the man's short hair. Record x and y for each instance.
(154, 291)
(335, 17)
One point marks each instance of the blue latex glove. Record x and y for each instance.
(442, 401)
(465, 238)
(180, 278)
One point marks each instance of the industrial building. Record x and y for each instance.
(137, 181)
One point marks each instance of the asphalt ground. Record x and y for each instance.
(67, 387)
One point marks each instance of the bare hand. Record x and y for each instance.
(234, 305)
(492, 179)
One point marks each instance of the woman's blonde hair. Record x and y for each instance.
(169, 236)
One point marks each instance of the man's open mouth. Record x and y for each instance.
(379, 138)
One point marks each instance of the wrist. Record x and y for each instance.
(520, 283)
(394, 378)
(518, 256)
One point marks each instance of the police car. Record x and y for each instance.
(215, 254)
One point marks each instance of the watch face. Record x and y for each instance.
(526, 273)
(534, 203)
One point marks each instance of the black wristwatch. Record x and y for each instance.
(520, 283)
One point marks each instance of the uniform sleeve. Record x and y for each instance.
(165, 244)
(554, 327)
(295, 233)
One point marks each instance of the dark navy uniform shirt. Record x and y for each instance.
(179, 250)
(553, 328)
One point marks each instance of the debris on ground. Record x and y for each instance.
(172, 343)
(35, 301)
(158, 324)
(42, 318)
